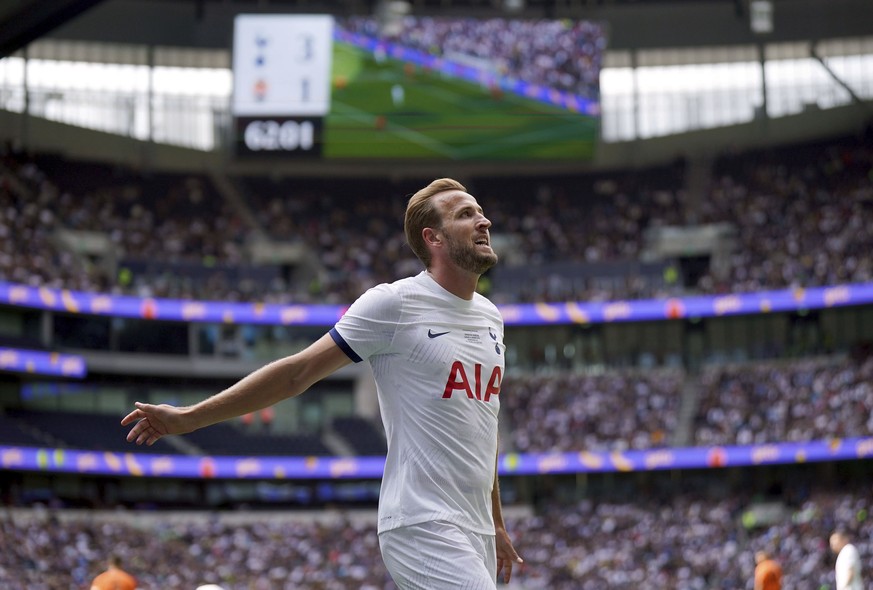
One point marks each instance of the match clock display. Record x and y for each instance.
(281, 82)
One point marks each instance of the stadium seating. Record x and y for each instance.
(361, 435)
(793, 217)
(77, 430)
(226, 439)
(595, 223)
(615, 411)
(18, 433)
(794, 400)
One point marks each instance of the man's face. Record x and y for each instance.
(465, 230)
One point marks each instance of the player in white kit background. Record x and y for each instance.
(437, 354)
(848, 566)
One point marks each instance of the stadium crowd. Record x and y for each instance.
(802, 218)
(686, 541)
(797, 400)
(171, 219)
(358, 242)
(27, 223)
(614, 411)
(47, 553)
(558, 54)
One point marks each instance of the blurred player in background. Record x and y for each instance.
(768, 573)
(437, 353)
(114, 578)
(848, 566)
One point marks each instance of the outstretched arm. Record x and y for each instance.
(272, 383)
(506, 554)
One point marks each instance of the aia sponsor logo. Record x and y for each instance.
(459, 380)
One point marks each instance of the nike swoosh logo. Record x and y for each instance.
(432, 334)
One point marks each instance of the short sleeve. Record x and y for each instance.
(369, 325)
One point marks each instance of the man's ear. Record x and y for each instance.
(431, 236)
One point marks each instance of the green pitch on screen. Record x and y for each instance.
(441, 117)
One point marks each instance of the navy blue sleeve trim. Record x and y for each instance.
(344, 346)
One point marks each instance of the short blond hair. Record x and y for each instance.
(421, 213)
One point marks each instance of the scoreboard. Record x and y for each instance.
(325, 87)
(282, 82)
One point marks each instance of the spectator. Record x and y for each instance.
(114, 578)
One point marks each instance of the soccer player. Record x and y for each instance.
(436, 349)
(848, 566)
(114, 578)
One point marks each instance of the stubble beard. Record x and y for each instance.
(467, 258)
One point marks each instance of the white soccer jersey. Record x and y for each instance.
(849, 565)
(438, 364)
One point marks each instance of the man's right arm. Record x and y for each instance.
(272, 383)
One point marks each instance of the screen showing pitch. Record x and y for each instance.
(433, 88)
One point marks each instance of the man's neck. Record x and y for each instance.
(459, 283)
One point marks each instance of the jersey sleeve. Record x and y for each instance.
(369, 325)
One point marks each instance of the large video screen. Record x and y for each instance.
(431, 88)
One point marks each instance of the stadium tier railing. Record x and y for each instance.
(703, 306)
(38, 362)
(49, 460)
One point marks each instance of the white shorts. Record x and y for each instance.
(439, 555)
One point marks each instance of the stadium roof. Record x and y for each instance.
(27, 20)
(634, 24)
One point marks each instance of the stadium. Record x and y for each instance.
(681, 199)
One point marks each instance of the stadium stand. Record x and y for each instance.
(823, 186)
(615, 411)
(792, 215)
(797, 400)
(687, 540)
(683, 542)
(555, 249)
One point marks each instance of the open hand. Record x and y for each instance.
(154, 422)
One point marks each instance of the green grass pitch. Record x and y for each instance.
(440, 117)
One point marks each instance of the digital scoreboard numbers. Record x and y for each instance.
(281, 83)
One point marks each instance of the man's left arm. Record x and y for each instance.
(506, 554)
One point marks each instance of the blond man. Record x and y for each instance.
(436, 349)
